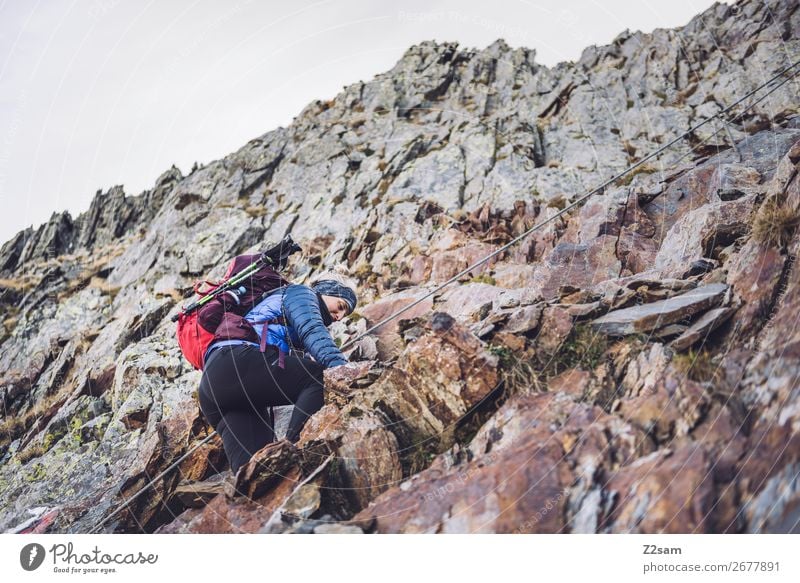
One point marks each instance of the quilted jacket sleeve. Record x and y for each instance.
(303, 314)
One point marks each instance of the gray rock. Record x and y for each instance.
(524, 319)
(701, 328)
(649, 317)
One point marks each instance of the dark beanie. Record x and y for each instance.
(330, 287)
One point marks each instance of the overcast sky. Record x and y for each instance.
(102, 92)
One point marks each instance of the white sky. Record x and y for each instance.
(101, 92)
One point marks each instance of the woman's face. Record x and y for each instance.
(336, 306)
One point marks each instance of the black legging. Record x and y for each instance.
(239, 382)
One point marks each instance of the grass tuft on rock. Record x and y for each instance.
(583, 347)
(775, 223)
(698, 365)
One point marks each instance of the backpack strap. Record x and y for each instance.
(263, 344)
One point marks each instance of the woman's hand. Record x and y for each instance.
(340, 378)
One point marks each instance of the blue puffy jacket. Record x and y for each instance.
(306, 317)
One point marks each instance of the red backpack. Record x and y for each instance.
(219, 313)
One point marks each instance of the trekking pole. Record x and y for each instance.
(275, 256)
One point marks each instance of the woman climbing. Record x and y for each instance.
(240, 381)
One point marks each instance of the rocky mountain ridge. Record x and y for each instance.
(628, 368)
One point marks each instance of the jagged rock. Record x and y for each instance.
(446, 264)
(660, 398)
(670, 331)
(111, 215)
(513, 276)
(554, 327)
(198, 494)
(40, 521)
(469, 301)
(535, 435)
(577, 265)
(238, 515)
(266, 468)
(697, 234)
(425, 406)
(698, 186)
(162, 443)
(303, 502)
(701, 328)
(768, 380)
(650, 494)
(365, 349)
(653, 316)
(507, 300)
(428, 505)
(573, 382)
(511, 341)
(524, 319)
(389, 342)
(754, 273)
(767, 480)
(366, 453)
(583, 311)
(340, 380)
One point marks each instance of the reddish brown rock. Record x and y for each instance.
(573, 382)
(366, 458)
(467, 302)
(267, 468)
(519, 478)
(340, 381)
(701, 328)
(197, 494)
(659, 398)
(513, 276)
(513, 342)
(554, 328)
(204, 461)
(224, 515)
(767, 479)
(753, 273)
(685, 193)
(665, 492)
(733, 180)
(390, 344)
(770, 379)
(453, 252)
(164, 443)
(637, 253)
(435, 382)
(420, 270)
(578, 265)
(525, 319)
(482, 496)
(696, 234)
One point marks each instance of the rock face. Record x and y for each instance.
(630, 366)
